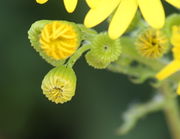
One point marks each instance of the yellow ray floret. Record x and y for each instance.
(59, 40)
(174, 66)
(70, 5)
(171, 68)
(124, 13)
(41, 1)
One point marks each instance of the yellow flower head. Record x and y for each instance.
(125, 10)
(174, 66)
(59, 84)
(152, 43)
(69, 4)
(59, 40)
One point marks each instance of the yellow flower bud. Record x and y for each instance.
(59, 84)
(152, 43)
(59, 40)
(54, 40)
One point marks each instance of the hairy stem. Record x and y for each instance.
(77, 55)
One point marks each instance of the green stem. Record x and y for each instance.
(77, 55)
(171, 111)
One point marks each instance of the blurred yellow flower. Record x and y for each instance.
(178, 89)
(59, 39)
(152, 43)
(69, 4)
(174, 66)
(125, 10)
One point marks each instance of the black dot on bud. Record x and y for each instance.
(106, 47)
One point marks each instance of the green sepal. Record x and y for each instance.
(86, 33)
(34, 36)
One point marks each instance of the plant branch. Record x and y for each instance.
(136, 112)
(171, 110)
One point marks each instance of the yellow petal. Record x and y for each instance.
(122, 18)
(153, 12)
(175, 3)
(41, 1)
(178, 89)
(167, 71)
(93, 3)
(99, 14)
(70, 5)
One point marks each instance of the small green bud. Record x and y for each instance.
(94, 62)
(59, 84)
(104, 50)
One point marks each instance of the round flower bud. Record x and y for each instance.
(59, 84)
(152, 43)
(94, 62)
(55, 40)
(105, 50)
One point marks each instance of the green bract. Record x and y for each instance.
(59, 84)
(103, 51)
(34, 36)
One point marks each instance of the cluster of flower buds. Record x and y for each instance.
(61, 43)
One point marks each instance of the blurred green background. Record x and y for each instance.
(101, 97)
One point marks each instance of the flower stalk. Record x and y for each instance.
(77, 55)
(171, 110)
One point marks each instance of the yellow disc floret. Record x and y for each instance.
(59, 40)
(152, 43)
